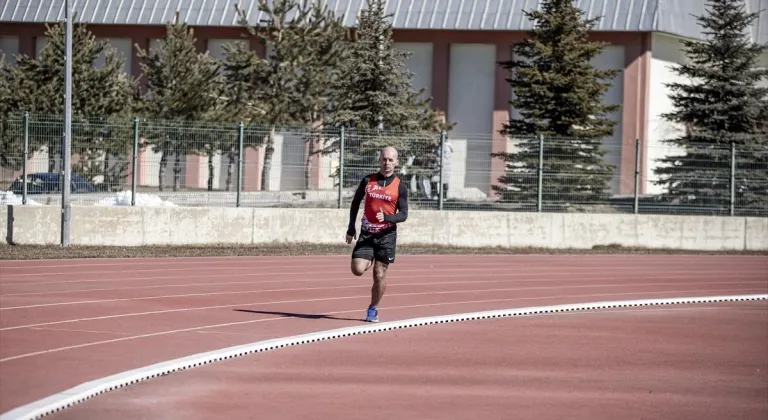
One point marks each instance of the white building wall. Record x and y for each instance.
(275, 169)
(420, 64)
(612, 57)
(294, 162)
(764, 64)
(666, 52)
(470, 104)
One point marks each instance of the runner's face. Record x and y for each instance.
(387, 162)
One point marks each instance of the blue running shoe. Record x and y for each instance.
(373, 315)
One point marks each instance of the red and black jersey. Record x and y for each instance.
(387, 194)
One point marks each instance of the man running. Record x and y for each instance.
(386, 204)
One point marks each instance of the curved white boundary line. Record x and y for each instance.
(80, 393)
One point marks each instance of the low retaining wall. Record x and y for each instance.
(131, 226)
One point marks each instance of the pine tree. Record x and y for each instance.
(559, 95)
(721, 105)
(325, 52)
(240, 68)
(100, 102)
(273, 79)
(11, 96)
(183, 89)
(376, 103)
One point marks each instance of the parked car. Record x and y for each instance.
(50, 183)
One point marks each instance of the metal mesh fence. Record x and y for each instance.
(750, 193)
(131, 161)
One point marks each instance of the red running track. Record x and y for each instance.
(648, 363)
(66, 322)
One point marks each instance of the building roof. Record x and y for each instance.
(670, 16)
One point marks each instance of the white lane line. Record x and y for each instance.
(227, 333)
(442, 292)
(314, 270)
(577, 254)
(90, 389)
(160, 286)
(186, 276)
(401, 268)
(439, 274)
(79, 331)
(213, 267)
(228, 324)
(187, 295)
(165, 261)
(249, 273)
(527, 274)
(252, 267)
(295, 289)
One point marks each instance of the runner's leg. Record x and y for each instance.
(362, 255)
(384, 255)
(379, 282)
(360, 266)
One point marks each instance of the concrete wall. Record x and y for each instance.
(131, 226)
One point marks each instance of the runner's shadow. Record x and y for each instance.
(295, 315)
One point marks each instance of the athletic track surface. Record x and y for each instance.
(66, 322)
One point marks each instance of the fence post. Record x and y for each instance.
(135, 163)
(540, 185)
(733, 179)
(26, 158)
(341, 165)
(240, 141)
(440, 176)
(635, 206)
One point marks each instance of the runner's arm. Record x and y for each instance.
(355, 207)
(402, 206)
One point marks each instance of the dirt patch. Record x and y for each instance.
(32, 252)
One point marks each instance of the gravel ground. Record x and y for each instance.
(31, 252)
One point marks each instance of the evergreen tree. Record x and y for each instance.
(11, 96)
(240, 68)
(559, 95)
(101, 98)
(274, 78)
(376, 102)
(325, 51)
(722, 104)
(183, 90)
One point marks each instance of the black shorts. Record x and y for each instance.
(378, 246)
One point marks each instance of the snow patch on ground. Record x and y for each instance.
(123, 198)
(11, 199)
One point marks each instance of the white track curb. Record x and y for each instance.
(80, 393)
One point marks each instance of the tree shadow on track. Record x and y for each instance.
(297, 315)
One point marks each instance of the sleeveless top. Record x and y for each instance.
(377, 198)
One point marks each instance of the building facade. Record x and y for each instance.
(456, 45)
